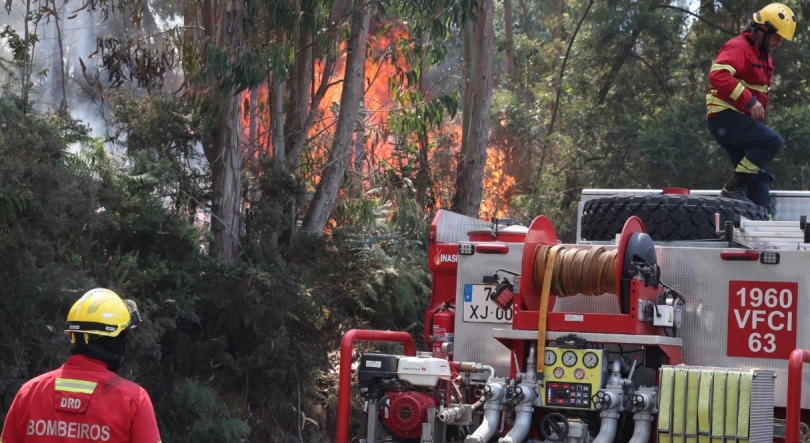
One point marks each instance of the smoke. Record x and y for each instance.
(66, 66)
(63, 38)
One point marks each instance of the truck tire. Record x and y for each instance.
(666, 217)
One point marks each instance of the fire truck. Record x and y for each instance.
(677, 316)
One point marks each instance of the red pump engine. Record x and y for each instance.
(407, 410)
(403, 389)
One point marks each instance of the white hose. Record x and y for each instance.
(643, 419)
(492, 416)
(491, 371)
(523, 417)
(607, 432)
(523, 421)
(610, 419)
(641, 431)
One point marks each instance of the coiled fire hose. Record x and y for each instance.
(570, 272)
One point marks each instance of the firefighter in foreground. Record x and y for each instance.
(85, 399)
(740, 79)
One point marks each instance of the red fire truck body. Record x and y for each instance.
(672, 341)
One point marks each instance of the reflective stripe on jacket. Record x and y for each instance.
(83, 402)
(738, 76)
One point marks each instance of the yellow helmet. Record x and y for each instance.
(101, 312)
(780, 17)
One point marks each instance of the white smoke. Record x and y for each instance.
(77, 59)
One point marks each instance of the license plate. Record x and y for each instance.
(479, 308)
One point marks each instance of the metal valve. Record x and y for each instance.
(601, 401)
(485, 393)
(514, 394)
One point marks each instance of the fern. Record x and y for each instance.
(205, 415)
(144, 179)
(189, 315)
(16, 203)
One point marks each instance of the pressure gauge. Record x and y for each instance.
(569, 358)
(590, 360)
(559, 372)
(551, 357)
(579, 373)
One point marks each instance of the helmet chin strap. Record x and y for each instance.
(92, 349)
(114, 361)
(764, 45)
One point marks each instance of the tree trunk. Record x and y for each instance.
(467, 65)
(360, 139)
(557, 42)
(28, 58)
(326, 193)
(621, 58)
(277, 121)
(470, 181)
(423, 173)
(226, 184)
(56, 71)
(561, 76)
(277, 111)
(223, 150)
(254, 136)
(295, 128)
(510, 43)
(301, 96)
(360, 130)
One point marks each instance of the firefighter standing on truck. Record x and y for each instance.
(740, 79)
(85, 399)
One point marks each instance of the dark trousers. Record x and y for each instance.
(742, 136)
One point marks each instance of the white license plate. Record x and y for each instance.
(479, 308)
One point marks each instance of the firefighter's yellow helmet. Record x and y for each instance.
(101, 312)
(780, 17)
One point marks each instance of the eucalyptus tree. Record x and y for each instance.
(216, 66)
(331, 178)
(221, 64)
(21, 66)
(477, 76)
(309, 32)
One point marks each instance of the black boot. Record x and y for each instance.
(737, 187)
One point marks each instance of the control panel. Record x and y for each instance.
(572, 377)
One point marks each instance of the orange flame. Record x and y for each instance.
(498, 185)
(255, 118)
(382, 65)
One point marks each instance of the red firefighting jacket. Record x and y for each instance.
(738, 76)
(81, 402)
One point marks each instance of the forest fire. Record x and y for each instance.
(377, 154)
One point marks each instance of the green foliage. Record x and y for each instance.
(269, 200)
(791, 166)
(16, 203)
(134, 60)
(437, 18)
(216, 74)
(19, 46)
(380, 280)
(47, 217)
(204, 415)
(161, 136)
(632, 113)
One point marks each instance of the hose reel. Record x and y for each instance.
(593, 271)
